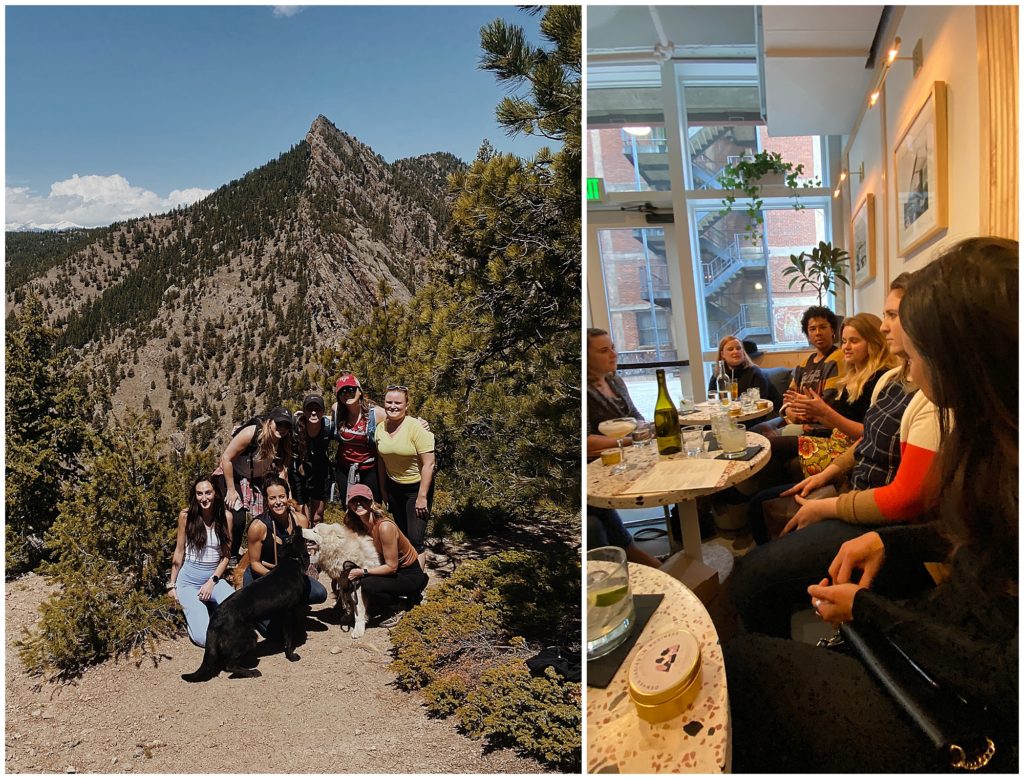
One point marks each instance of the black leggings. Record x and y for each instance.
(408, 581)
(402, 502)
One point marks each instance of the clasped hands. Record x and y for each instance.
(802, 408)
(834, 602)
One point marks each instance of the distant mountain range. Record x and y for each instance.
(221, 308)
(25, 227)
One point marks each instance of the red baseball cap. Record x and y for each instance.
(346, 380)
(358, 491)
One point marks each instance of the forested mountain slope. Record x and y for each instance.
(209, 313)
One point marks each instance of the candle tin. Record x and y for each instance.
(665, 676)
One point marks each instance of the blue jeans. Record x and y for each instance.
(771, 581)
(191, 577)
(315, 593)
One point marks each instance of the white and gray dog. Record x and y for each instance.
(341, 550)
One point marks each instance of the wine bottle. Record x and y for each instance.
(666, 419)
(723, 384)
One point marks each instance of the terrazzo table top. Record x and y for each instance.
(697, 741)
(604, 488)
(701, 415)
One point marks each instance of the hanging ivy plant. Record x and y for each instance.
(745, 176)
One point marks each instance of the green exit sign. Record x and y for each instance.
(595, 189)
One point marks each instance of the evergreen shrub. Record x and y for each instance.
(111, 548)
(465, 649)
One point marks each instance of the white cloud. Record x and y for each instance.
(286, 10)
(92, 201)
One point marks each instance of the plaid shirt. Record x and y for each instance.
(878, 453)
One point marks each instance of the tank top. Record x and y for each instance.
(406, 553)
(267, 550)
(317, 460)
(209, 554)
(354, 446)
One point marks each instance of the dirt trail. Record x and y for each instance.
(327, 713)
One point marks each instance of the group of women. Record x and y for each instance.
(934, 480)
(913, 422)
(277, 474)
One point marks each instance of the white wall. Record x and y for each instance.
(950, 48)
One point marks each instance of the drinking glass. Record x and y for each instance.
(755, 394)
(643, 435)
(733, 441)
(610, 611)
(619, 428)
(713, 397)
(693, 440)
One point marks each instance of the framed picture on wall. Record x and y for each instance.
(863, 228)
(920, 167)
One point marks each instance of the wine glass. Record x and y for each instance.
(618, 428)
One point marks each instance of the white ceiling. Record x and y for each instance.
(815, 79)
(814, 74)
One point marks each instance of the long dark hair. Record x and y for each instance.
(195, 528)
(960, 312)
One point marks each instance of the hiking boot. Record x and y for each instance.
(393, 620)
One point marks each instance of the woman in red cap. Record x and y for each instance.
(400, 573)
(354, 424)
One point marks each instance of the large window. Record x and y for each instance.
(739, 284)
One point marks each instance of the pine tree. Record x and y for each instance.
(48, 425)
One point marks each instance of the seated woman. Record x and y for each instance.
(865, 358)
(607, 396)
(200, 558)
(822, 711)
(742, 370)
(400, 574)
(274, 528)
(887, 468)
(820, 372)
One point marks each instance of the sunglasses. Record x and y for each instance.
(398, 387)
(347, 390)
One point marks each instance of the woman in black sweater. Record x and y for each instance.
(740, 369)
(798, 708)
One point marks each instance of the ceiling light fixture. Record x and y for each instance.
(758, 285)
(892, 57)
(639, 131)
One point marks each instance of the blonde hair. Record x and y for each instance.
(278, 452)
(747, 362)
(867, 326)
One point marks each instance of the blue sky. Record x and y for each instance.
(116, 109)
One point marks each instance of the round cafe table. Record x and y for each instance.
(701, 414)
(606, 490)
(697, 741)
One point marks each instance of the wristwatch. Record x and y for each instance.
(215, 578)
(365, 572)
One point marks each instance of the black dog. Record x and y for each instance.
(281, 593)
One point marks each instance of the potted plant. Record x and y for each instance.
(747, 175)
(818, 270)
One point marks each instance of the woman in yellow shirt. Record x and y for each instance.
(405, 464)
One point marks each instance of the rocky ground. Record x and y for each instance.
(334, 711)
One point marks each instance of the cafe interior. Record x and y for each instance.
(733, 153)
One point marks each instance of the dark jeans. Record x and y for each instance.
(366, 476)
(409, 581)
(605, 528)
(315, 593)
(238, 517)
(770, 582)
(755, 512)
(402, 503)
